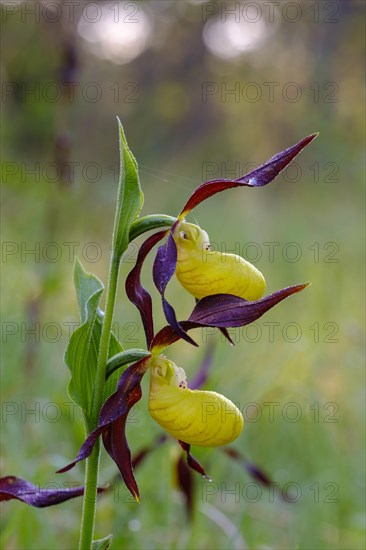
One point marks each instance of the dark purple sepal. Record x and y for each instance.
(112, 423)
(223, 331)
(163, 270)
(257, 178)
(139, 457)
(185, 482)
(227, 336)
(227, 310)
(12, 487)
(255, 472)
(115, 443)
(191, 461)
(136, 293)
(258, 474)
(223, 310)
(85, 450)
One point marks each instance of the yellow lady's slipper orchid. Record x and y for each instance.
(203, 418)
(204, 272)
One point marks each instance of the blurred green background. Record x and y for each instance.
(204, 90)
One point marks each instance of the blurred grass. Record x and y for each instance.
(173, 140)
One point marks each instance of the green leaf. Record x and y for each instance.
(86, 284)
(147, 223)
(81, 356)
(82, 352)
(130, 197)
(102, 544)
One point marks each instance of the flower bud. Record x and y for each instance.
(203, 418)
(204, 272)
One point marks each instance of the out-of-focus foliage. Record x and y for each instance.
(192, 111)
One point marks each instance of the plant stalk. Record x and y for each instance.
(92, 463)
(90, 499)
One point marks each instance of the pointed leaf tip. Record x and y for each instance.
(130, 197)
(86, 285)
(102, 544)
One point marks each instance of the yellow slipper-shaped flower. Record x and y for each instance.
(203, 418)
(203, 272)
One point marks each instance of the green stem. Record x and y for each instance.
(104, 338)
(90, 500)
(92, 463)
